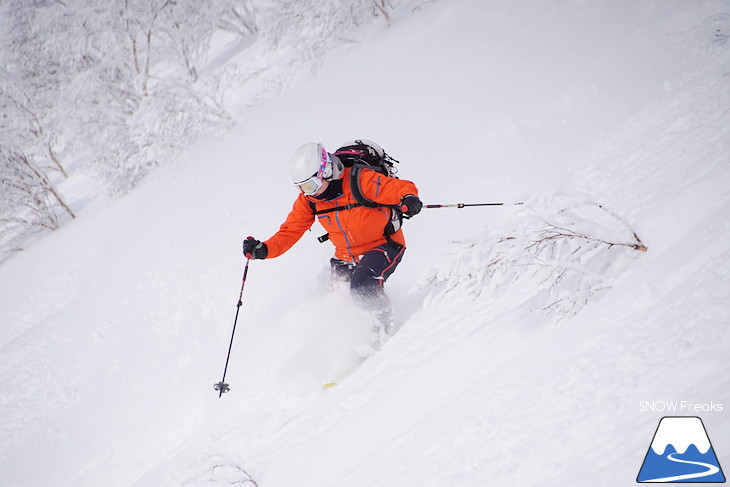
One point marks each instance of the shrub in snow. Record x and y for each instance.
(113, 84)
(226, 475)
(28, 199)
(119, 83)
(564, 253)
(124, 86)
(303, 31)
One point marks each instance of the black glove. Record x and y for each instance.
(411, 205)
(254, 249)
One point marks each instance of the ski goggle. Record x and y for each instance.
(310, 186)
(313, 184)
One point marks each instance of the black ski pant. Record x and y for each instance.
(368, 275)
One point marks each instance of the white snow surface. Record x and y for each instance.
(115, 327)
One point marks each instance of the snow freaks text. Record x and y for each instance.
(680, 407)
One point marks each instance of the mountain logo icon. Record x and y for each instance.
(681, 452)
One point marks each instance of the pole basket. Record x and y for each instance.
(221, 387)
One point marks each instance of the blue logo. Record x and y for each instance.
(681, 452)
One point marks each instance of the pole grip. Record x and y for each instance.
(248, 255)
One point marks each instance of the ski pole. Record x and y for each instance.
(222, 386)
(464, 205)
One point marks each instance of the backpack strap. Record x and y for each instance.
(355, 185)
(315, 212)
(330, 210)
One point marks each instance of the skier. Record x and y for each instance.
(367, 246)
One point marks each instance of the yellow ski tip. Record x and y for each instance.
(329, 385)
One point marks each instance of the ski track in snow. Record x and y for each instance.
(115, 327)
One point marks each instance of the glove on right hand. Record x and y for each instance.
(254, 249)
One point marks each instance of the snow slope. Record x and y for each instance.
(115, 327)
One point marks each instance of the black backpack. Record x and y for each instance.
(364, 154)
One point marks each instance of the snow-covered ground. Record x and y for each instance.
(514, 364)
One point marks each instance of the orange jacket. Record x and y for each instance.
(352, 231)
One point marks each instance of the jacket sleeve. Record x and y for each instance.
(299, 220)
(383, 189)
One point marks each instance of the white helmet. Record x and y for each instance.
(310, 165)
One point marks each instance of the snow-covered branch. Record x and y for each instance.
(124, 86)
(558, 259)
(116, 86)
(28, 199)
(309, 29)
